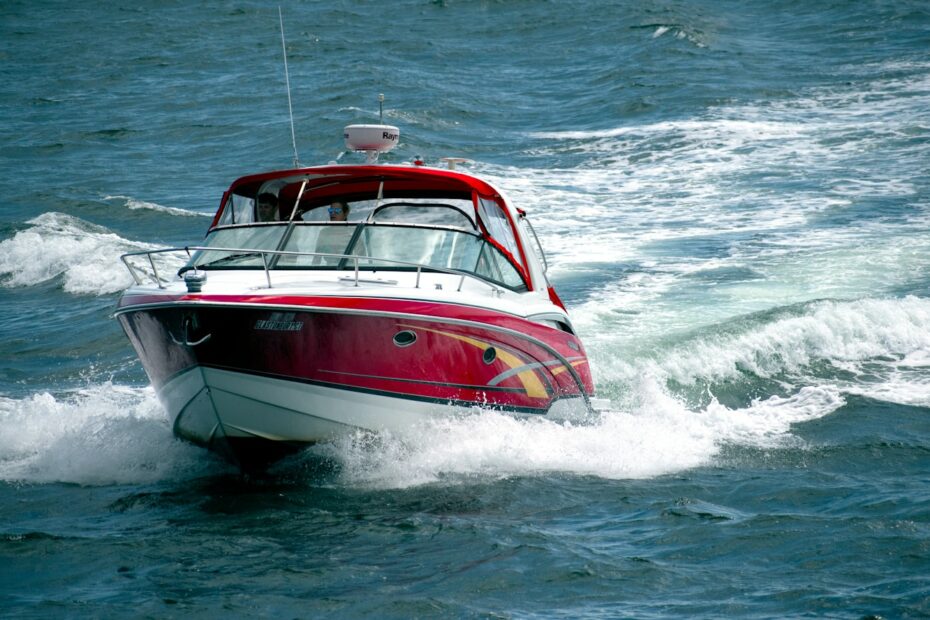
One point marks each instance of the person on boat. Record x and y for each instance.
(333, 240)
(267, 209)
(338, 211)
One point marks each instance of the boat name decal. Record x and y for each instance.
(279, 326)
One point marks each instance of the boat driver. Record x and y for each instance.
(267, 208)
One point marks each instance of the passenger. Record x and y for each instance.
(338, 211)
(267, 207)
(334, 239)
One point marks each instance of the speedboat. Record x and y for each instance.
(347, 297)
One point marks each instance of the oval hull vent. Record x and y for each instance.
(405, 338)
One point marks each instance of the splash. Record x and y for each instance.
(658, 435)
(100, 435)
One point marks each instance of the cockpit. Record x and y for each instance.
(388, 218)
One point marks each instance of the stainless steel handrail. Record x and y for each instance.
(265, 253)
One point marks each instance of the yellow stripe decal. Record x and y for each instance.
(562, 369)
(531, 383)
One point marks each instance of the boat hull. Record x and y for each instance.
(250, 376)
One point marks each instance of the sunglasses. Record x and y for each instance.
(335, 210)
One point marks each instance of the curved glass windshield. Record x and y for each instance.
(321, 245)
(443, 248)
(381, 246)
(239, 240)
(423, 213)
(448, 249)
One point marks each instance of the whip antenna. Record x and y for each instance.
(287, 81)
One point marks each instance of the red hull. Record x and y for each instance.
(415, 350)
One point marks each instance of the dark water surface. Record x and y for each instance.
(735, 199)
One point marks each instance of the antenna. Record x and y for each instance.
(287, 80)
(381, 108)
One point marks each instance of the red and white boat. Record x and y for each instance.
(429, 299)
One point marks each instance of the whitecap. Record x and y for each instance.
(85, 255)
(135, 204)
(872, 347)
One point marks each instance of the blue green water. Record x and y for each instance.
(735, 199)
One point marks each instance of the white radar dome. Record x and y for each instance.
(371, 138)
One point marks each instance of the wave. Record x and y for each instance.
(676, 30)
(874, 347)
(100, 435)
(134, 204)
(840, 333)
(742, 130)
(85, 255)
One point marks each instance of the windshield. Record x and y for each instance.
(383, 246)
(239, 239)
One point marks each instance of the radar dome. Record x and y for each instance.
(371, 138)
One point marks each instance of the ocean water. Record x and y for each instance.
(735, 200)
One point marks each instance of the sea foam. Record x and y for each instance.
(84, 255)
(657, 435)
(109, 434)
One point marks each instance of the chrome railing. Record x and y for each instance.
(420, 267)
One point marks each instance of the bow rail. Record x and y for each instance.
(265, 254)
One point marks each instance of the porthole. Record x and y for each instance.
(490, 354)
(405, 338)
